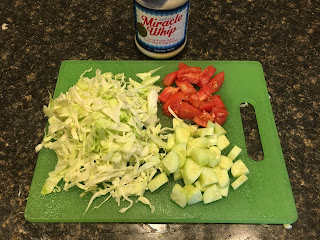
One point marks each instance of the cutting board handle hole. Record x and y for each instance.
(251, 132)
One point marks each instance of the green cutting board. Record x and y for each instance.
(266, 198)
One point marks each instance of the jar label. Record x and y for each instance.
(161, 31)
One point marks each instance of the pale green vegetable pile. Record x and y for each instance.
(107, 136)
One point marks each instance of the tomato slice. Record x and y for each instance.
(183, 65)
(175, 98)
(186, 87)
(186, 111)
(203, 118)
(167, 93)
(206, 75)
(213, 85)
(219, 115)
(169, 79)
(190, 74)
(211, 102)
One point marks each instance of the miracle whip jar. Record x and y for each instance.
(161, 27)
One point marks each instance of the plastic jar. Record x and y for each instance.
(161, 27)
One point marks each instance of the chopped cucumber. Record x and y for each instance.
(214, 156)
(181, 150)
(179, 196)
(170, 142)
(202, 132)
(210, 125)
(171, 162)
(182, 134)
(176, 122)
(195, 156)
(213, 139)
(223, 142)
(234, 153)
(225, 162)
(218, 129)
(157, 181)
(238, 168)
(177, 175)
(208, 177)
(194, 194)
(223, 176)
(200, 142)
(191, 128)
(191, 171)
(211, 194)
(198, 185)
(239, 181)
(200, 156)
(224, 191)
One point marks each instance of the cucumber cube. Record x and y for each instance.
(202, 132)
(179, 196)
(223, 176)
(171, 162)
(238, 168)
(170, 142)
(218, 129)
(224, 191)
(234, 153)
(176, 122)
(177, 175)
(191, 128)
(213, 140)
(182, 134)
(200, 142)
(211, 194)
(214, 156)
(191, 171)
(157, 181)
(239, 181)
(194, 194)
(198, 185)
(200, 156)
(181, 150)
(223, 142)
(210, 125)
(208, 177)
(225, 162)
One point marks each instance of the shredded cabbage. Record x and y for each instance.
(107, 136)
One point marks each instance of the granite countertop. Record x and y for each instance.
(36, 36)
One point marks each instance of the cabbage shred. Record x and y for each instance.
(107, 137)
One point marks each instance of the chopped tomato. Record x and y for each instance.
(194, 100)
(211, 102)
(206, 75)
(169, 79)
(183, 65)
(167, 93)
(186, 111)
(188, 103)
(177, 97)
(203, 118)
(213, 85)
(219, 115)
(190, 74)
(186, 87)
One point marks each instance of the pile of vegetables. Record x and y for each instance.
(188, 103)
(109, 142)
(107, 136)
(195, 156)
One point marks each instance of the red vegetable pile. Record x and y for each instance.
(186, 102)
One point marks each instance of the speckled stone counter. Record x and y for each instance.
(36, 36)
